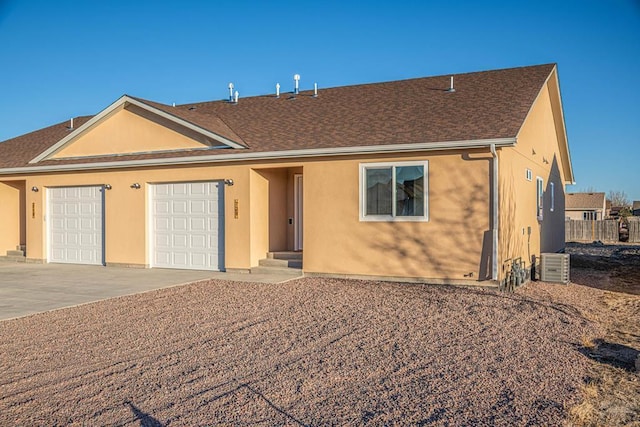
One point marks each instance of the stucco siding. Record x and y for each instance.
(522, 233)
(12, 213)
(127, 132)
(448, 246)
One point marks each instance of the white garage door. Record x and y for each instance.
(188, 225)
(75, 225)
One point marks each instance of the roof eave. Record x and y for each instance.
(270, 155)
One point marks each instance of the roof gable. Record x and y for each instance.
(130, 126)
(584, 201)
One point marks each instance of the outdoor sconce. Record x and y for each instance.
(228, 182)
(107, 186)
(135, 186)
(34, 189)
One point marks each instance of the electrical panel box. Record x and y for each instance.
(555, 268)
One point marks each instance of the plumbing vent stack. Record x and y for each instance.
(296, 79)
(315, 90)
(451, 89)
(236, 99)
(71, 124)
(277, 90)
(230, 92)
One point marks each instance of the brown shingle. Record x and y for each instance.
(485, 105)
(583, 201)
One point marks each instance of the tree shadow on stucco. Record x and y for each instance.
(456, 238)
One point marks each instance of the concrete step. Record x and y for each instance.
(283, 263)
(285, 255)
(22, 248)
(294, 272)
(13, 258)
(15, 253)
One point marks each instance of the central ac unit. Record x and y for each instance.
(555, 268)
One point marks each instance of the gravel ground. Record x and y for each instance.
(308, 352)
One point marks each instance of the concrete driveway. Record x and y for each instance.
(33, 288)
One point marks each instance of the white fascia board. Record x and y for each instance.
(121, 103)
(269, 155)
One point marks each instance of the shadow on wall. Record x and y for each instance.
(511, 237)
(456, 241)
(553, 222)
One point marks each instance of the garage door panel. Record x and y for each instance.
(75, 225)
(179, 207)
(180, 223)
(186, 217)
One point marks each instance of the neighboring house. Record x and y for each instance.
(635, 209)
(586, 206)
(405, 179)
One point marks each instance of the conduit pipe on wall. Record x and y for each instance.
(494, 212)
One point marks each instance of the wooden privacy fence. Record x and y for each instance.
(634, 231)
(590, 231)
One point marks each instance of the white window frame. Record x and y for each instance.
(552, 203)
(528, 174)
(539, 197)
(393, 217)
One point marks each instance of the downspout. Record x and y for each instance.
(494, 213)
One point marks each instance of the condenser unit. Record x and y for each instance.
(555, 268)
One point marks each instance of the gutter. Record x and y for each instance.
(268, 155)
(494, 212)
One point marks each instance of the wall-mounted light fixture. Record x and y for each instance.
(228, 182)
(107, 186)
(135, 186)
(34, 189)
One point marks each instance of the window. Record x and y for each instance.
(528, 174)
(552, 186)
(590, 215)
(539, 196)
(393, 191)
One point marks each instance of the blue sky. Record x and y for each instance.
(60, 59)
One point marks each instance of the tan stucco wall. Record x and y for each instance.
(126, 214)
(277, 207)
(126, 132)
(12, 215)
(536, 149)
(448, 246)
(259, 216)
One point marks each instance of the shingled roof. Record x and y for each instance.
(584, 201)
(484, 106)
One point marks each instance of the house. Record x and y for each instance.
(442, 179)
(635, 209)
(586, 206)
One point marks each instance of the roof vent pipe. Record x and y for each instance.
(236, 97)
(451, 89)
(296, 79)
(71, 124)
(230, 92)
(277, 90)
(315, 90)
